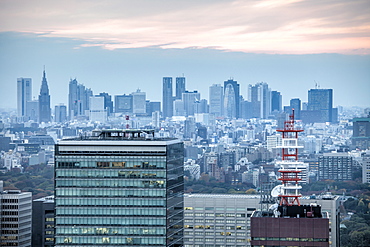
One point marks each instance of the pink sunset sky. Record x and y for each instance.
(252, 26)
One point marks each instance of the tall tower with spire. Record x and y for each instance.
(44, 101)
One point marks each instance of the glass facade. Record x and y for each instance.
(125, 199)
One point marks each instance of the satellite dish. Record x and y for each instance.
(276, 191)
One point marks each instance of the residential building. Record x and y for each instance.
(119, 187)
(335, 166)
(366, 167)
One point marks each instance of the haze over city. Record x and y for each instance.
(119, 46)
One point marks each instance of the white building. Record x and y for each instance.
(97, 112)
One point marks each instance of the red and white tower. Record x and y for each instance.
(289, 165)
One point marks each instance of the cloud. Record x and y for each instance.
(267, 26)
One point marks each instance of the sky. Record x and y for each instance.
(118, 46)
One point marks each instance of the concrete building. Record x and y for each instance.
(335, 166)
(16, 217)
(24, 95)
(167, 98)
(361, 133)
(97, 111)
(119, 187)
(139, 102)
(225, 219)
(216, 100)
(43, 217)
(366, 167)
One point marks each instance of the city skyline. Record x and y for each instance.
(121, 46)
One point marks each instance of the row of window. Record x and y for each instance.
(214, 227)
(9, 201)
(110, 162)
(219, 209)
(109, 183)
(88, 173)
(213, 240)
(293, 239)
(111, 241)
(111, 231)
(111, 211)
(111, 221)
(214, 215)
(214, 221)
(138, 202)
(62, 192)
(214, 233)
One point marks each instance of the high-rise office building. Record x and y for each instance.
(108, 103)
(60, 114)
(296, 105)
(78, 100)
(139, 102)
(216, 100)
(366, 167)
(97, 111)
(260, 96)
(119, 187)
(24, 94)
(321, 101)
(123, 104)
(276, 101)
(231, 99)
(180, 87)
(32, 110)
(44, 101)
(43, 217)
(361, 133)
(16, 217)
(189, 99)
(167, 97)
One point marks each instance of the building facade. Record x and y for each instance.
(231, 99)
(44, 101)
(180, 87)
(43, 216)
(24, 94)
(335, 166)
(216, 100)
(167, 97)
(119, 188)
(321, 100)
(16, 217)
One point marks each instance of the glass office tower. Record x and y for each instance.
(119, 188)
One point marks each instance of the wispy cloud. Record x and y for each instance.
(264, 26)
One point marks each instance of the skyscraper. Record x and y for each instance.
(216, 100)
(231, 99)
(139, 102)
(321, 100)
(123, 103)
(276, 101)
(167, 97)
(119, 187)
(44, 101)
(108, 103)
(189, 99)
(180, 87)
(78, 99)
(24, 94)
(296, 105)
(60, 113)
(260, 96)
